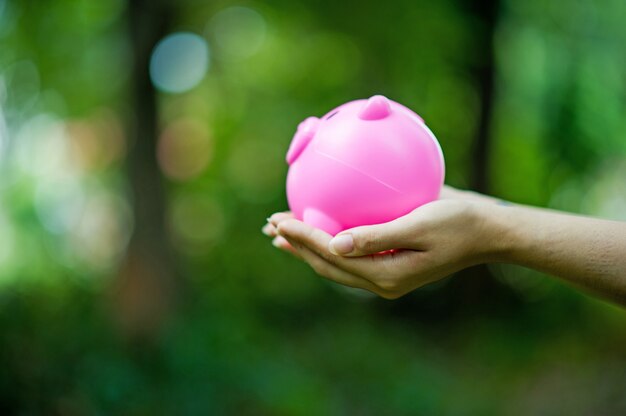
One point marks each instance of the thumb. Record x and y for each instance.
(372, 239)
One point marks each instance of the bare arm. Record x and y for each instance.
(589, 252)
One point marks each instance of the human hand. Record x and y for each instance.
(397, 257)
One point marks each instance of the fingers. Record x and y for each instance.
(372, 268)
(269, 230)
(282, 244)
(319, 264)
(381, 274)
(274, 219)
(401, 233)
(277, 241)
(336, 274)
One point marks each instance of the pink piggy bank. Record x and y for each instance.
(365, 162)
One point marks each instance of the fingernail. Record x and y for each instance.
(269, 230)
(341, 244)
(279, 242)
(273, 219)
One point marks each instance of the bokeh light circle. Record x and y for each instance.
(185, 149)
(239, 32)
(179, 62)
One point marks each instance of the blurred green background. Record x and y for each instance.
(142, 147)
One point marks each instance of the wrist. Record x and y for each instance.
(501, 233)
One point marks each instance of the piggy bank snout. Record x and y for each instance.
(306, 131)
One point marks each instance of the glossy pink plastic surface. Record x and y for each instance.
(365, 162)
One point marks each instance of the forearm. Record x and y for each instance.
(588, 252)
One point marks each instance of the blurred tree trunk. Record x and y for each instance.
(485, 70)
(145, 289)
(476, 286)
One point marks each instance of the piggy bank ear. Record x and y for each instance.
(306, 131)
(376, 108)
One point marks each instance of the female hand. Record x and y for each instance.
(397, 257)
